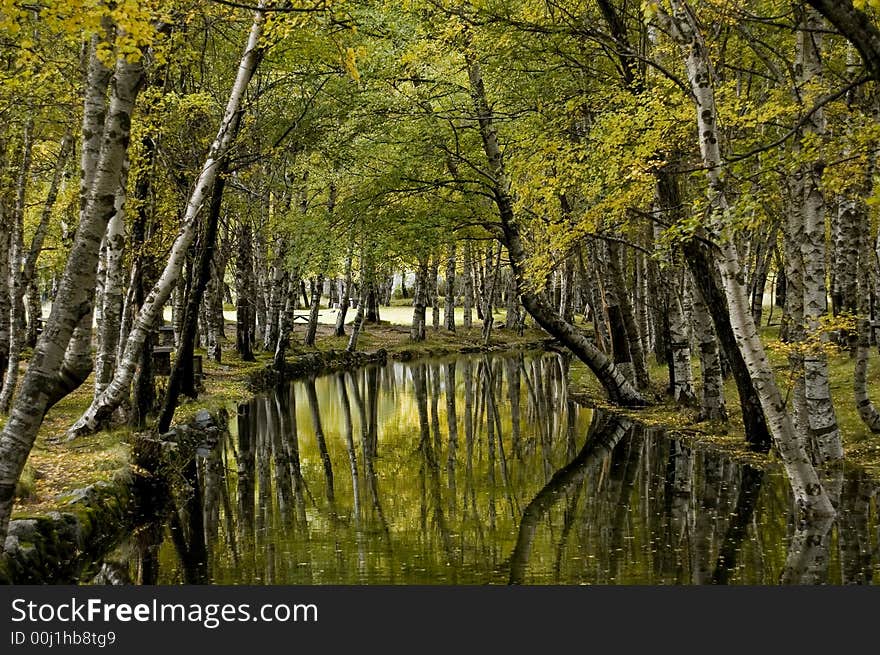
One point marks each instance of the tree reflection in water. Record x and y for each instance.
(481, 469)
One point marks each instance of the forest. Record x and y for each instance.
(675, 198)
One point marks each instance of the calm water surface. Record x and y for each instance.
(478, 470)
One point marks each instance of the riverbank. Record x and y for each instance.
(861, 446)
(57, 467)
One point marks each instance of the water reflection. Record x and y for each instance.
(481, 469)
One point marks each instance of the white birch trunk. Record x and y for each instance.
(47, 379)
(103, 406)
(449, 308)
(712, 405)
(111, 312)
(16, 284)
(810, 495)
(823, 422)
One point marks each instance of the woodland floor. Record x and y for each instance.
(57, 466)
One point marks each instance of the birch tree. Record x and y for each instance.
(809, 493)
(105, 404)
(48, 377)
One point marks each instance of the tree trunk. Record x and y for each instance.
(358, 323)
(101, 408)
(489, 283)
(712, 405)
(111, 314)
(823, 421)
(276, 297)
(417, 330)
(468, 300)
(29, 277)
(244, 298)
(449, 309)
(434, 284)
(312, 328)
(47, 380)
(640, 366)
(286, 323)
(762, 270)
(616, 385)
(867, 268)
(680, 341)
(345, 293)
(620, 342)
(17, 284)
(809, 493)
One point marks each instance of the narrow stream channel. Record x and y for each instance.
(480, 469)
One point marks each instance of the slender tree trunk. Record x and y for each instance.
(312, 328)
(286, 323)
(111, 315)
(762, 270)
(449, 309)
(101, 408)
(47, 380)
(29, 277)
(680, 341)
(468, 300)
(17, 284)
(620, 342)
(244, 299)
(4, 289)
(615, 383)
(434, 283)
(34, 312)
(867, 268)
(489, 283)
(640, 366)
(339, 331)
(712, 405)
(358, 323)
(809, 493)
(823, 421)
(276, 296)
(417, 330)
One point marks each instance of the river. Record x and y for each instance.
(481, 469)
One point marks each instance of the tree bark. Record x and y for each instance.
(468, 300)
(449, 309)
(101, 408)
(434, 282)
(417, 329)
(111, 314)
(345, 294)
(640, 366)
(810, 495)
(822, 419)
(312, 328)
(712, 405)
(17, 284)
(285, 323)
(244, 293)
(47, 379)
